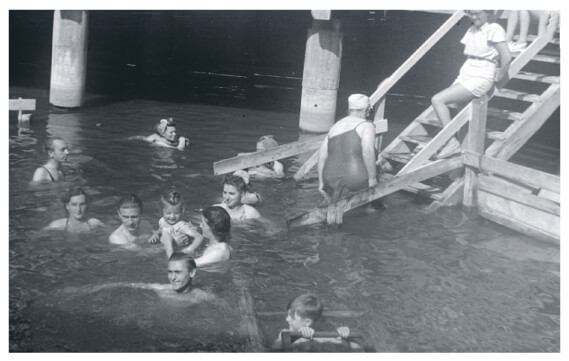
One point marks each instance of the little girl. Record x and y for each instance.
(174, 233)
(165, 135)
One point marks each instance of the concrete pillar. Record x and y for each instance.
(69, 58)
(321, 76)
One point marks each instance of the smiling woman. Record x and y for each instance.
(76, 203)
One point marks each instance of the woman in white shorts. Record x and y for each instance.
(487, 63)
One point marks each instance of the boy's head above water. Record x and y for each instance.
(304, 311)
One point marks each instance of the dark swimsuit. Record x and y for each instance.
(48, 172)
(344, 170)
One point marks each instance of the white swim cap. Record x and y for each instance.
(358, 101)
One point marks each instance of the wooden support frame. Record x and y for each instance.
(398, 182)
(283, 151)
(475, 143)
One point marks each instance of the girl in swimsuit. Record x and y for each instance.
(174, 233)
(234, 188)
(165, 136)
(76, 204)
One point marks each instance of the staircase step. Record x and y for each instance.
(496, 135)
(504, 114)
(526, 75)
(517, 95)
(416, 139)
(399, 157)
(418, 188)
(432, 122)
(547, 58)
(555, 39)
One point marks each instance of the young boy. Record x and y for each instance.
(303, 313)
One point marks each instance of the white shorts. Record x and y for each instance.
(477, 76)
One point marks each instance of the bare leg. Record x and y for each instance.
(512, 25)
(168, 241)
(456, 93)
(524, 27)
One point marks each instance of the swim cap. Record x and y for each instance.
(243, 174)
(358, 101)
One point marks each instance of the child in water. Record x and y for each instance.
(173, 232)
(274, 169)
(302, 315)
(165, 135)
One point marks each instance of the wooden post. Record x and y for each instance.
(475, 144)
(321, 76)
(69, 58)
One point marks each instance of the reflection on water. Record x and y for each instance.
(406, 280)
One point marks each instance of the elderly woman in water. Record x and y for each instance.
(165, 136)
(76, 204)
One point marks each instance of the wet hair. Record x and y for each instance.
(308, 306)
(130, 201)
(188, 260)
(236, 181)
(163, 124)
(172, 198)
(48, 145)
(72, 192)
(219, 221)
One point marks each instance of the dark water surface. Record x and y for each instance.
(408, 281)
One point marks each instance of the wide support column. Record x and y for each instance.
(69, 58)
(321, 76)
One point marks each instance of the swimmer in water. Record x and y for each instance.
(216, 227)
(234, 188)
(56, 149)
(174, 233)
(76, 204)
(165, 136)
(133, 229)
(274, 169)
(248, 197)
(302, 315)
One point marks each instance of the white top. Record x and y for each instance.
(479, 42)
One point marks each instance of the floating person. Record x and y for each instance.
(173, 232)
(133, 229)
(346, 160)
(486, 66)
(523, 18)
(234, 188)
(165, 136)
(303, 313)
(249, 197)
(57, 150)
(274, 169)
(216, 228)
(76, 204)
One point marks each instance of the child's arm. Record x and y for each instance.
(155, 238)
(168, 241)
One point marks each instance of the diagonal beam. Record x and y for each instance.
(398, 182)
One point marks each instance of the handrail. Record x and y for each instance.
(390, 81)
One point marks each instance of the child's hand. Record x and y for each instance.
(155, 238)
(343, 331)
(307, 332)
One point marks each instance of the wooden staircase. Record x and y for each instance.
(514, 115)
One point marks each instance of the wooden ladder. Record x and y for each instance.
(509, 129)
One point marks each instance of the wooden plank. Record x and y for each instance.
(543, 78)
(325, 313)
(283, 151)
(22, 104)
(504, 189)
(387, 84)
(547, 194)
(268, 155)
(500, 210)
(475, 144)
(519, 173)
(306, 167)
(517, 95)
(398, 182)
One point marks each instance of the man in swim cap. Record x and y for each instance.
(57, 151)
